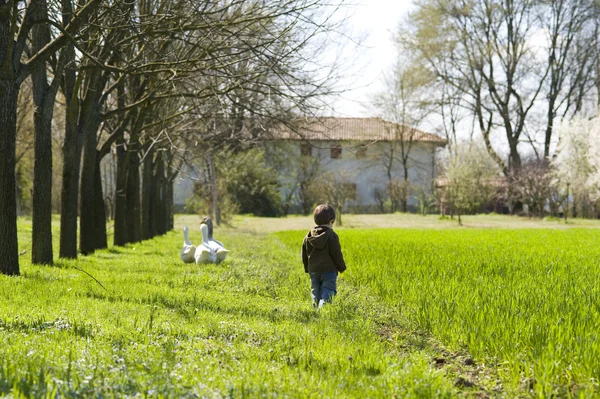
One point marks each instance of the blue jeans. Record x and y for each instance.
(323, 286)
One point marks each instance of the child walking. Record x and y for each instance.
(322, 256)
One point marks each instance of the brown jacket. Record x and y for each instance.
(321, 251)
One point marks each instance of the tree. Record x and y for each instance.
(406, 103)
(425, 198)
(24, 148)
(577, 163)
(532, 185)
(16, 64)
(469, 180)
(335, 189)
(44, 96)
(296, 171)
(489, 52)
(250, 183)
(398, 191)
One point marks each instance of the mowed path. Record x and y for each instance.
(294, 222)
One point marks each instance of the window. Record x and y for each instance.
(361, 151)
(306, 149)
(336, 151)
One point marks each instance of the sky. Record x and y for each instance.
(375, 20)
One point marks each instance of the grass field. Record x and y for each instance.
(422, 312)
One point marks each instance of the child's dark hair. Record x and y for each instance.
(324, 214)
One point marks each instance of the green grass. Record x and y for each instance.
(420, 313)
(526, 302)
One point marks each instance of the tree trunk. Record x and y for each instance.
(120, 205)
(164, 212)
(158, 221)
(404, 200)
(71, 152)
(120, 225)
(153, 206)
(169, 206)
(514, 156)
(88, 172)
(147, 183)
(132, 196)
(43, 98)
(160, 188)
(566, 202)
(214, 187)
(338, 217)
(159, 209)
(9, 93)
(100, 236)
(70, 189)
(41, 249)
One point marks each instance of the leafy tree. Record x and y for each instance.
(425, 198)
(467, 183)
(577, 163)
(398, 192)
(246, 181)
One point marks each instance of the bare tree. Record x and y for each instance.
(24, 150)
(17, 62)
(405, 102)
(131, 60)
(489, 51)
(336, 189)
(532, 185)
(296, 171)
(44, 96)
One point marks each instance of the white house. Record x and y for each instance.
(363, 149)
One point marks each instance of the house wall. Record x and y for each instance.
(367, 170)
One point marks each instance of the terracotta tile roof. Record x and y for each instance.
(352, 129)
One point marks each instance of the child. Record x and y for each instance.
(322, 256)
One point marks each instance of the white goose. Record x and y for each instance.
(215, 245)
(204, 253)
(188, 250)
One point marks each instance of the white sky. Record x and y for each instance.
(375, 20)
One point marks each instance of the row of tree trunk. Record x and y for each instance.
(143, 207)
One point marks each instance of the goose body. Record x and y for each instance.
(188, 250)
(219, 249)
(204, 252)
(217, 246)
